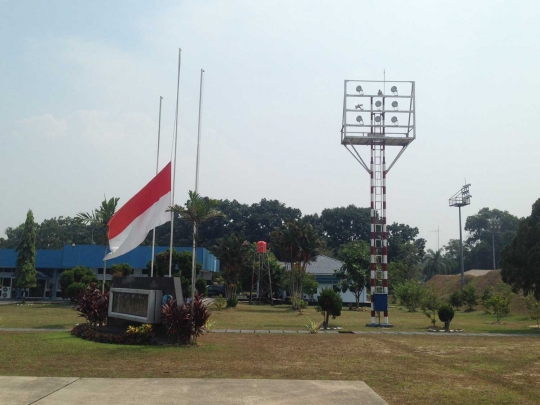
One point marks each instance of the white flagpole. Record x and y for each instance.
(194, 258)
(174, 170)
(157, 166)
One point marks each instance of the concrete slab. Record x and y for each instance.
(247, 331)
(276, 331)
(290, 331)
(177, 391)
(261, 331)
(27, 390)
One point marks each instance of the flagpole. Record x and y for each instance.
(157, 166)
(174, 170)
(199, 130)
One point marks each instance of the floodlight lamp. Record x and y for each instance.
(378, 118)
(359, 106)
(360, 120)
(394, 120)
(395, 105)
(378, 104)
(360, 90)
(394, 90)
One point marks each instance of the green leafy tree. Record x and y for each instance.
(469, 296)
(355, 269)
(310, 285)
(434, 263)
(533, 306)
(456, 300)
(25, 272)
(499, 301)
(400, 272)
(77, 275)
(99, 219)
(330, 304)
(196, 211)
(446, 314)
(232, 252)
(410, 294)
(121, 270)
(402, 234)
(430, 305)
(520, 259)
(341, 225)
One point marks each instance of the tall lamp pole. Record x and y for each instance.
(461, 199)
(494, 227)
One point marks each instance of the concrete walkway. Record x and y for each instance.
(180, 391)
(332, 332)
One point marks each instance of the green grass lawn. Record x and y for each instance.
(246, 316)
(403, 369)
(38, 316)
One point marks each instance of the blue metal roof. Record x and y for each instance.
(92, 256)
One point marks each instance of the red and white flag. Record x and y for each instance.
(146, 210)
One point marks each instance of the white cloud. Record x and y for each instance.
(41, 125)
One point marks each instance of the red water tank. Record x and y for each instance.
(261, 247)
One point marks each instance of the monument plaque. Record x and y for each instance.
(137, 305)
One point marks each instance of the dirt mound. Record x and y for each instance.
(444, 286)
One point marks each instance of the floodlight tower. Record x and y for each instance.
(261, 280)
(461, 199)
(366, 107)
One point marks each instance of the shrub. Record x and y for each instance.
(77, 274)
(313, 327)
(430, 306)
(469, 296)
(182, 328)
(93, 305)
(201, 287)
(446, 314)
(455, 300)
(330, 304)
(121, 270)
(410, 294)
(533, 306)
(88, 332)
(499, 301)
(485, 300)
(220, 302)
(232, 302)
(141, 334)
(74, 291)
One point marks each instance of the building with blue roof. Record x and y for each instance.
(51, 263)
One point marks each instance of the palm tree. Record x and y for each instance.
(197, 210)
(231, 251)
(99, 218)
(434, 263)
(298, 244)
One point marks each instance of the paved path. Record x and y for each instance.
(182, 391)
(332, 332)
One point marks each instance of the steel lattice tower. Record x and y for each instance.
(369, 126)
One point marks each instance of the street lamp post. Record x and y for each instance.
(494, 227)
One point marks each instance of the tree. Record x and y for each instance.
(343, 224)
(482, 236)
(330, 304)
(232, 252)
(297, 243)
(446, 314)
(121, 270)
(533, 306)
(434, 263)
(310, 285)
(410, 294)
(197, 210)
(75, 280)
(25, 272)
(401, 272)
(469, 296)
(400, 234)
(453, 256)
(99, 219)
(354, 272)
(499, 300)
(520, 260)
(456, 300)
(430, 306)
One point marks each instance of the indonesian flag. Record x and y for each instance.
(146, 210)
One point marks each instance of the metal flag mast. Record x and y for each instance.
(199, 130)
(157, 167)
(368, 126)
(174, 167)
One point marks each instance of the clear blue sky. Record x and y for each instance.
(80, 85)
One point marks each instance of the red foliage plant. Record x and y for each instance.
(93, 305)
(182, 327)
